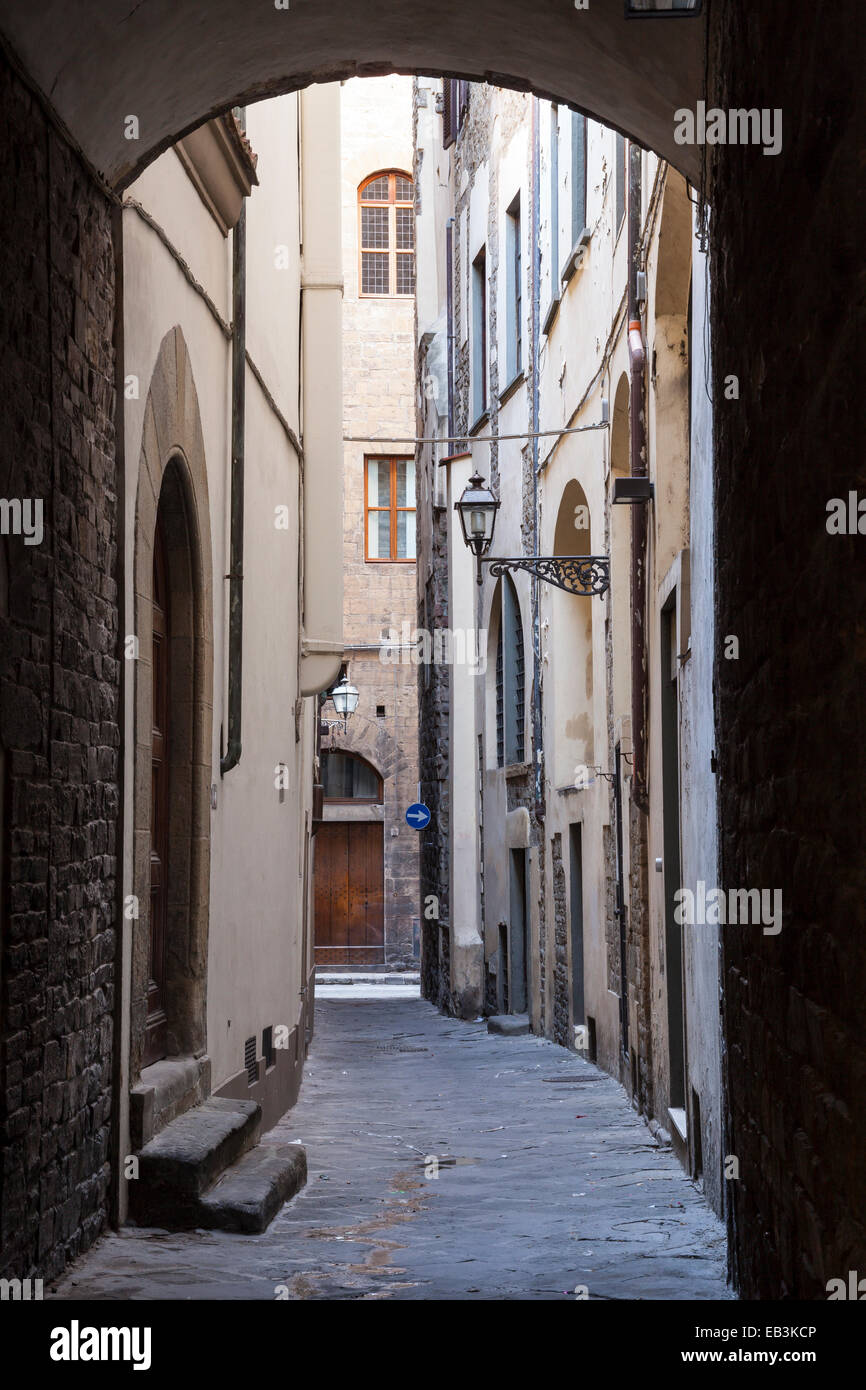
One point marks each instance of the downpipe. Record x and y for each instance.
(232, 755)
(638, 464)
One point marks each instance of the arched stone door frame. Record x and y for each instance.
(172, 481)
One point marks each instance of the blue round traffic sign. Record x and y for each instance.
(418, 816)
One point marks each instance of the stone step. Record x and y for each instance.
(249, 1194)
(181, 1163)
(508, 1025)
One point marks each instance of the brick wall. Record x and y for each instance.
(58, 696)
(791, 736)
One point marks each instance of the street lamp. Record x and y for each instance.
(345, 699)
(477, 510)
(583, 575)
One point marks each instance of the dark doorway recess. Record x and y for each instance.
(518, 954)
(155, 1026)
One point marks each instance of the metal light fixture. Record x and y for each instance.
(345, 700)
(583, 575)
(477, 510)
(632, 490)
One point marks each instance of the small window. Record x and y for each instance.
(479, 335)
(269, 1052)
(389, 509)
(514, 291)
(554, 200)
(578, 176)
(455, 101)
(346, 777)
(387, 236)
(619, 182)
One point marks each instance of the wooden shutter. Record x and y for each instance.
(578, 175)
(449, 111)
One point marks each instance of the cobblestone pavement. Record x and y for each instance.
(547, 1182)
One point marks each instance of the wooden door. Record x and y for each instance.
(518, 955)
(155, 1026)
(349, 893)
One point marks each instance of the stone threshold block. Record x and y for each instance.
(508, 1025)
(203, 1170)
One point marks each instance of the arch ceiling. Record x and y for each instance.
(175, 63)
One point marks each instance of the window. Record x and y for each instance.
(387, 235)
(389, 509)
(578, 176)
(514, 341)
(455, 99)
(619, 173)
(479, 335)
(510, 680)
(346, 777)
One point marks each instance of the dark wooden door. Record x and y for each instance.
(518, 956)
(155, 1027)
(349, 893)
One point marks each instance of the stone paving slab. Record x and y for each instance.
(445, 1163)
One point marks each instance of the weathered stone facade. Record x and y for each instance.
(59, 678)
(378, 403)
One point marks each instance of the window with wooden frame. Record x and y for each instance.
(389, 510)
(386, 223)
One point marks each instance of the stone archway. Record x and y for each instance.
(371, 741)
(162, 72)
(172, 486)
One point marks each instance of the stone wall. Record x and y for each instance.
(379, 596)
(790, 713)
(58, 696)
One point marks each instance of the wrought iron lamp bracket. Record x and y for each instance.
(583, 575)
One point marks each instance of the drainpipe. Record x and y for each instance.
(449, 291)
(232, 755)
(637, 362)
(536, 331)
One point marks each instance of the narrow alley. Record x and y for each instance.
(432, 741)
(444, 1163)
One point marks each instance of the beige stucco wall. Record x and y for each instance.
(257, 958)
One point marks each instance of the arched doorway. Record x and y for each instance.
(173, 733)
(348, 873)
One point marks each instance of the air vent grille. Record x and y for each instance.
(251, 1061)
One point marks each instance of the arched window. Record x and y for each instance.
(346, 777)
(386, 209)
(510, 681)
